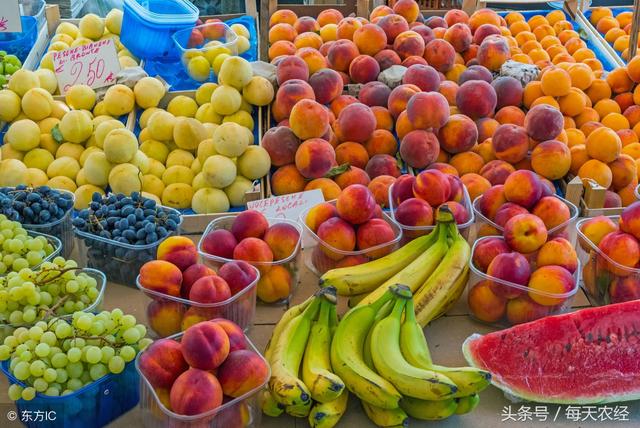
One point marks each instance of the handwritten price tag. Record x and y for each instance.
(287, 206)
(95, 65)
(10, 17)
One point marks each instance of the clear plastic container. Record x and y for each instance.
(166, 314)
(119, 261)
(94, 405)
(604, 280)
(95, 307)
(319, 263)
(147, 26)
(243, 411)
(526, 304)
(486, 227)
(412, 232)
(291, 263)
(55, 242)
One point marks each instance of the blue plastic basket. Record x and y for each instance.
(617, 10)
(19, 44)
(94, 405)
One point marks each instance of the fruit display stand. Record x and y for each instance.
(584, 17)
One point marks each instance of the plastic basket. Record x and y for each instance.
(319, 263)
(166, 315)
(147, 26)
(291, 263)
(119, 261)
(563, 301)
(242, 411)
(94, 405)
(19, 44)
(411, 232)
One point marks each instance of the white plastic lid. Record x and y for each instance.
(141, 7)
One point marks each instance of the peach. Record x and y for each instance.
(281, 144)
(386, 58)
(288, 95)
(508, 90)
(550, 280)
(249, 224)
(414, 212)
(306, 23)
(318, 214)
(354, 260)
(195, 391)
(475, 72)
(458, 135)
(363, 69)
(543, 122)
(242, 372)
(432, 186)
(467, 163)
(237, 340)
(440, 55)
(238, 274)
(476, 184)
(219, 243)
(282, 31)
(161, 276)
(164, 316)
(413, 60)
(370, 39)
(523, 188)
(381, 142)
(623, 249)
(179, 250)
(403, 126)
(551, 159)
(353, 175)
(509, 267)
(340, 102)
(253, 250)
(384, 120)
(426, 33)
(356, 204)
(402, 189)
(630, 219)
(399, 98)
(525, 233)
(408, 9)
(522, 309)
(393, 25)
(560, 252)
(196, 314)
(423, 76)
(374, 94)
(287, 179)
(419, 148)
(459, 36)
(337, 233)
(436, 22)
(624, 289)
(486, 128)
(352, 153)
(281, 48)
(341, 53)
(552, 211)
(373, 233)
(275, 285)
(199, 270)
(460, 213)
(486, 250)
(380, 11)
(454, 16)
(210, 289)
(379, 186)
(497, 171)
(347, 28)
(476, 98)
(205, 345)
(623, 171)
(326, 84)
(484, 31)
(382, 165)
(291, 67)
(449, 90)
(483, 16)
(597, 228)
(162, 363)
(283, 239)
(506, 211)
(355, 122)
(426, 110)
(510, 115)
(409, 43)
(309, 119)
(314, 158)
(491, 201)
(484, 304)
(493, 52)
(329, 16)
(612, 200)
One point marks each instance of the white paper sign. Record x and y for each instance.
(10, 17)
(287, 206)
(95, 65)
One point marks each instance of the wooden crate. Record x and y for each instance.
(588, 196)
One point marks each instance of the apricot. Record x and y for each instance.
(619, 81)
(287, 179)
(551, 159)
(596, 170)
(275, 285)
(604, 144)
(161, 276)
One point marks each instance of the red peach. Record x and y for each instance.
(459, 36)
(510, 143)
(162, 277)
(210, 289)
(355, 122)
(508, 211)
(402, 189)
(409, 43)
(288, 95)
(425, 32)
(419, 148)
(414, 212)
(624, 289)
(543, 122)
(484, 304)
(399, 98)
(552, 211)
(623, 249)
(509, 267)
(354, 260)
(219, 243)
(486, 250)
(253, 250)
(379, 186)
(338, 234)
(432, 186)
(341, 53)
(356, 204)
(353, 175)
(374, 94)
(242, 372)
(427, 110)
(238, 274)
(197, 271)
(483, 31)
(408, 9)
(423, 76)
(363, 69)
(314, 158)
(491, 201)
(318, 214)
(326, 84)
(249, 224)
(459, 134)
(237, 340)
(522, 309)
(454, 16)
(413, 60)
(373, 233)
(194, 392)
(550, 280)
(436, 22)
(523, 188)
(525, 233)
(370, 39)
(476, 99)
(630, 219)
(205, 345)
(281, 144)
(162, 363)
(509, 91)
(497, 171)
(283, 239)
(475, 72)
(493, 52)
(560, 252)
(475, 183)
(291, 67)
(309, 119)
(386, 58)
(460, 213)
(165, 316)
(440, 55)
(340, 102)
(179, 250)
(393, 25)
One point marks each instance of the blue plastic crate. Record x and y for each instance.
(20, 44)
(617, 10)
(94, 405)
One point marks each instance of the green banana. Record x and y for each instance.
(301, 410)
(467, 404)
(327, 415)
(269, 405)
(417, 272)
(429, 410)
(347, 360)
(388, 418)
(389, 362)
(415, 350)
(290, 314)
(316, 363)
(366, 277)
(366, 353)
(286, 357)
(430, 297)
(354, 300)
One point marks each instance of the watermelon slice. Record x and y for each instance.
(586, 357)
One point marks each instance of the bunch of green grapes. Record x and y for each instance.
(59, 357)
(18, 250)
(55, 288)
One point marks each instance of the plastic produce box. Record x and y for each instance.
(604, 280)
(94, 405)
(166, 314)
(119, 261)
(243, 411)
(486, 227)
(55, 242)
(411, 232)
(95, 307)
(524, 303)
(225, 41)
(291, 263)
(318, 262)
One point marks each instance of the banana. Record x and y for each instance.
(458, 288)
(366, 277)
(389, 418)
(467, 404)
(286, 357)
(429, 410)
(389, 362)
(327, 415)
(291, 313)
(366, 353)
(269, 405)
(354, 300)
(418, 271)
(299, 410)
(415, 350)
(430, 297)
(333, 320)
(316, 363)
(347, 360)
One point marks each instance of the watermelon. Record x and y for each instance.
(586, 357)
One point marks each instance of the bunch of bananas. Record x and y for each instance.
(380, 352)
(435, 267)
(302, 382)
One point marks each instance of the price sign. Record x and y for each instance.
(95, 65)
(10, 17)
(287, 206)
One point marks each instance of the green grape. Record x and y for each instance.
(75, 369)
(37, 368)
(20, 263)
(40, 384)
(93, 354)
(131, 336)
(29, 393)
(45, 298)
(33, 299)
(26, 356)
(116, 314)
(63, 330)
(43, 325)
(61, 375)
(92, 293)
(72, 286)
(15, 317)
(84, 322)
(49, 338)
(141, 329)
(29, 316)
(35, 245)
(52, 392)
(21, 370)
(59, 360)
(42, 350)
(79, 306)
(74, 384)
(11, 341)
(79, 342)
(5, 352)
(97, 371)
(34, 258)
(15, 392)
(21, 348)
(127, 353)
(97, 328)
(31, 344)
(128, 321)
(66, 392)
(50, 375)
(107, 353)
(69, 306)
(35, 332)
(144, 343)
(116, 364)
(85, 377)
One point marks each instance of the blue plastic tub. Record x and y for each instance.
(19, 44)
(94, 405)
(147, 27)
(616, 10)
